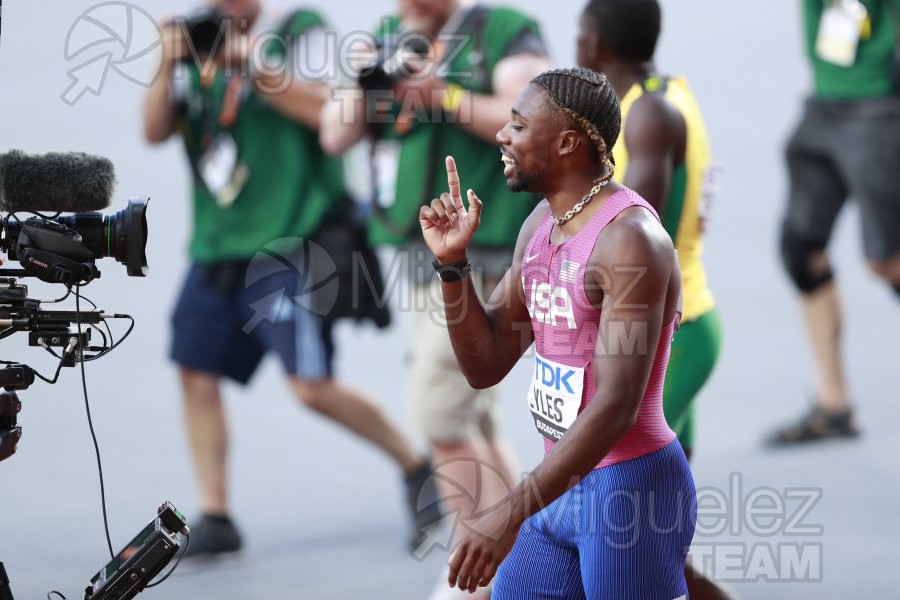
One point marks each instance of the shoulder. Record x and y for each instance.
(635, 236)
(300, 20)
(504, 25)
(507, 14)
(654, 125)
(654, 111)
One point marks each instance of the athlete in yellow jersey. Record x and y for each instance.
(663, 154)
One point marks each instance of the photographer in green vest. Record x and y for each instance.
(439, 79)
(239, 88)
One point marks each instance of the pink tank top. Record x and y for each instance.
(566, 327)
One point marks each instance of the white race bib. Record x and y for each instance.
(839, 32)
(554, 396)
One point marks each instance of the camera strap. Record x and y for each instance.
(469, 21)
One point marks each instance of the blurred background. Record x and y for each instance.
(321, 512)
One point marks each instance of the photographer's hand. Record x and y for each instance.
(446, 225)
(234, 55)
(175, 46)
(158, 111)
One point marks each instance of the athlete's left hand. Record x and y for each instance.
(482, 548)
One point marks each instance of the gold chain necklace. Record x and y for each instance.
(601, 183)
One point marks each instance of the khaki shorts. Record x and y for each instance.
(444, 406)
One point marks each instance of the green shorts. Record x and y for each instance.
(695, 350)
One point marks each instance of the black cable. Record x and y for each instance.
(116, 343)
(57, 593)
(38, 375)
(103, 335)
(187, 545)
(89, 301)
(127, 331)
(112, 340)
(87, 407)
(55, 375)
(57, 301)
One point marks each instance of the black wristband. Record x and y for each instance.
(453, 271)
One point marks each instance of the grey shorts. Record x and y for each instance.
(445, 408)
(844, 150)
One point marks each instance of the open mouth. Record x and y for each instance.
(509, 164)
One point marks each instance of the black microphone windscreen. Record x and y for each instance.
(55, 182)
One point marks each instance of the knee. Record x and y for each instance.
(313, 393)
(199, 386)
(889, 270)
(804, 260)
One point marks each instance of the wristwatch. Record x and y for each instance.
(453, 271)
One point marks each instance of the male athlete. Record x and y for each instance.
(610, 511)
(662, 154)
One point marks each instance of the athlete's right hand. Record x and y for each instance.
(446, 225)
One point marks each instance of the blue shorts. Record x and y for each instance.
(622, 533)
(224, 322)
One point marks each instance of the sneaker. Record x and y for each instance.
(423, 501)
(818, 424)
(213, 536)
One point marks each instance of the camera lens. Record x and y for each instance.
(205, 29)
(122, 235)
(127, 237)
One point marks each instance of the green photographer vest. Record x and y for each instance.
(420, 172)
(287, 184)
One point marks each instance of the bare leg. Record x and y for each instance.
(502, 457)
(701, 588)
(358, 414)
(822, 313)
(483, 470)
(889, 271)
(207, 431)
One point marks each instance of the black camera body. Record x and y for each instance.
(64, 249)
(205, 29)
(388, 66)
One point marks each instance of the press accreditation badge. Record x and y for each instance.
(554, 396)
(221, 171)
(385, 162)
(840, 29)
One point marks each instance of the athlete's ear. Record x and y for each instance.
(569, 140)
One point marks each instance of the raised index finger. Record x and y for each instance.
(453, 183)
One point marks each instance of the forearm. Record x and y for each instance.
(299, 101)
(473, 334)
(158, 111)
(343, 119)
(483, 115)
(594, 433)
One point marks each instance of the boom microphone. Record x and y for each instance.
(55, 182)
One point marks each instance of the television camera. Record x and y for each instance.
(34, 190)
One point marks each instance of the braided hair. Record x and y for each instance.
(590, 101)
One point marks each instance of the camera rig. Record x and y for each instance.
(63, 250)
